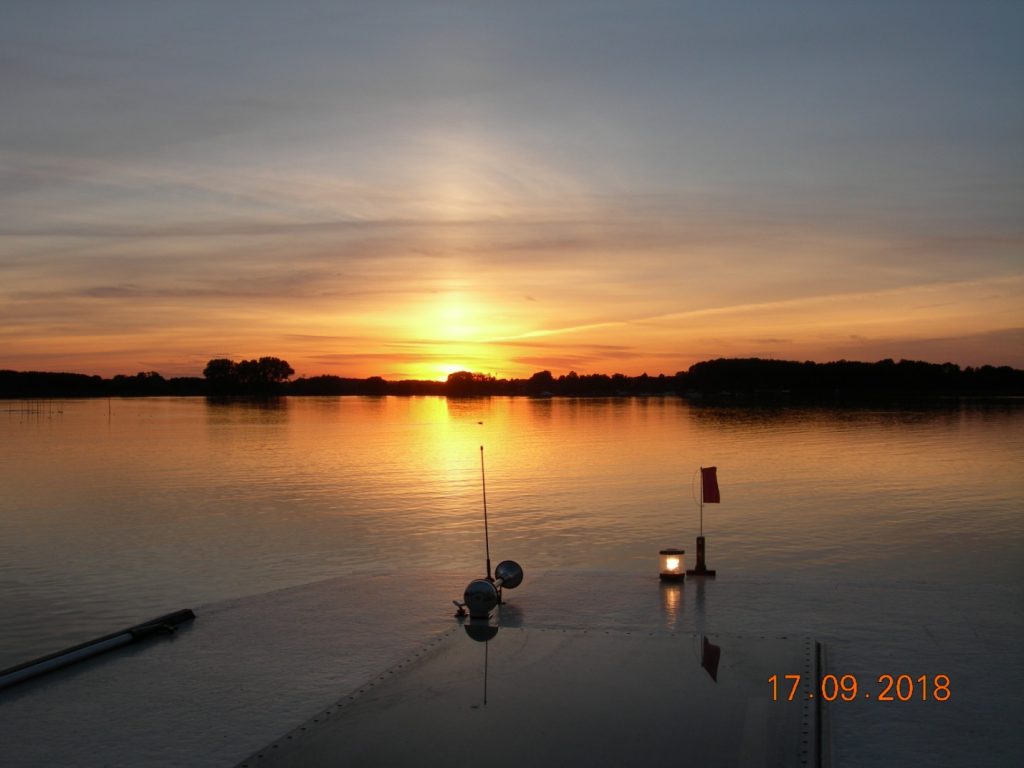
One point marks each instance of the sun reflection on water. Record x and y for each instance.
(202, 500)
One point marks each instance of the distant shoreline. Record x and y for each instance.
(725, 380)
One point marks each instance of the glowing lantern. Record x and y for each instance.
(673, 564)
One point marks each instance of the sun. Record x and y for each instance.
(449, 332)
(447, 369)
(432, 370)
(446, 326)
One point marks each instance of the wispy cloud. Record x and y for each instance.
(346, 187)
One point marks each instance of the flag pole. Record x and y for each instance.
(702, 501)
(702, 569)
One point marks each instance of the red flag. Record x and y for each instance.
(709, 484)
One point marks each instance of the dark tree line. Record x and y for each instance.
(845, 378)
(26, 384)
(266, 376)
(723, 379)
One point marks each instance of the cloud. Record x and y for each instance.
(337, 179)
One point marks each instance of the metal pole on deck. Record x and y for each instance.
(487, 541)
(702, 501)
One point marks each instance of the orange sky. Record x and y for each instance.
(406, 193)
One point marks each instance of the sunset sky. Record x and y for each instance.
(406, 189)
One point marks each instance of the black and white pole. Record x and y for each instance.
(167, 623)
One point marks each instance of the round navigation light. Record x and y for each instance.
(480, 598)
(673, 564)
(509, 573)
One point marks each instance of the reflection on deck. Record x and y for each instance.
(531, 696)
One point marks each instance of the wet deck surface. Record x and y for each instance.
(248, 672)
(562, 697)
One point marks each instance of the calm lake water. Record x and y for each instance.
(115, 512)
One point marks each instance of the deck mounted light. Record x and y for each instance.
(480, 598)
(673, 564)
(482, 595)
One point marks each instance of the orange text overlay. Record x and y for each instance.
(850, 688)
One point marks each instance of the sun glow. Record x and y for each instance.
(446, 369)
(455, 320)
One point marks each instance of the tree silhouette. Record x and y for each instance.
(726, 379)
(264, 376)
(141, 384)
(541, 383)
(468, 384)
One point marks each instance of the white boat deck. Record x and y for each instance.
(550, 697)
(247, 673)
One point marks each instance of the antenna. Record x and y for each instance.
(487, 540)
(484, 594)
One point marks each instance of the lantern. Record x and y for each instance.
(673, 564)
